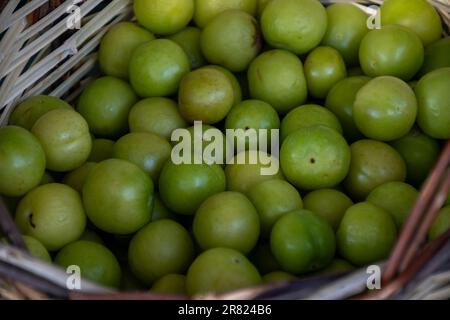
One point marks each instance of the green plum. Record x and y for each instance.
(440, 224)
(206, 10)
(295, 25)
(263, 258)
(64, 136)
(418, 15)
(105, 104)
(437, 55)
(156, 115)
(272, 199)
(373, 163)
(420, 153)
(324, 67)
(347, 25)
(278, 276)
(205, 94)
(22, 161)
(26, 113)
(234, 82)
(36, 249)
(395, 197)
(231, 39)
(302, 241)
(391, 51)
(331, 204)
(433, 97)
(53, 214)
(340, 100)
(385, 108)
(118, 44)
(261, 6)
(227, 219)
(146, 150)
(248, 168)
(156, 68)
(315, 157)
(189, 40)
(76, 178)
(118, 196)
(308, 115)
(220, 270)
(184, 187)
(170, 284)
(164, 16)
(160, 248)
(277, 77)
(96, 262)
(102, 149)
(366, 234)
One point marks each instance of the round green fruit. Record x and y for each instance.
(234, 82)
(220, 270)
(118, 196)
(53, 214)
(189, 40)
(65, 138)
(22, 161)
(315, 157)
(160, 248)
(156, 68)
(302, 241)
(105, 104)
(206, 10)
(76, 178)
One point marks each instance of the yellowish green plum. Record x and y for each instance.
(340, 100)
(164, 16)
(156, 115)
(294, 25)
(272, 199)
(420, 153)
(373, 163)
(308, 115)
(347, 25)
(440, 224)
(278, 276)
(205, 94)
(302, 242)
(184, 187)
(162, 247)
(385, 108)
(26, 113)
(249, 168)
(395, 197)
(324, 67)
(117, 46)
(277, 77)
(433, 97)
(22, 161)
(65, 138)
(96, 262)
(206, 10)
(77, 177)
(220, 270)
(331, 204)
(315, 157)
(36, 249)
(234, 82)
(53, 214)
(189, 40)
(118, 196)
(105, 104)
(228, 220)
(156, 68)
(170, 284)
(232, 39)
(418, 15)
(366, 234)
(101, 150)
(146, 150)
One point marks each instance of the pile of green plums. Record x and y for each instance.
(362, 116)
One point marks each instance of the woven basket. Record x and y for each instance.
(39, 54)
